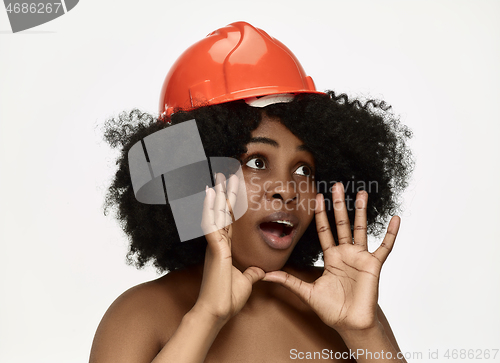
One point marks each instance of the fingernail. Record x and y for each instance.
(206, 189)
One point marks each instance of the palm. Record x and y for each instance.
(224, 288)
(346, 293)
(345, 296)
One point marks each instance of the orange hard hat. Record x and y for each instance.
(236, 62)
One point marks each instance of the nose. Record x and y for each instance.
(286, 191)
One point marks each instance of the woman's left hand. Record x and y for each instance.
(345, 296)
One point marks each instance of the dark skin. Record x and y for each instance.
(222, 311)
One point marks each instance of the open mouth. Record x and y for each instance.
(278, 234)
(277, 228)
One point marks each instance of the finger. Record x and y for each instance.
(207, 219)
(322, 225)
(298, 287)
(360, 237)
(210, 229)
(390, 237)
(228, 219)
(231, 193)
(220, 205)
(341, 217)
(254, 274)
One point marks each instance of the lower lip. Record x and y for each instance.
(275, 242)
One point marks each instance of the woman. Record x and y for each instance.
(247, 290)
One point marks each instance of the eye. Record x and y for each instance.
(256, 163)
(303, 170)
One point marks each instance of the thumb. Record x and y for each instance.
(297, 286)
(250, 276)
(254, 274)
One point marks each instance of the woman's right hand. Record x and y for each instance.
(224, 289)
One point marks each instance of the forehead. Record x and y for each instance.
(273, 129)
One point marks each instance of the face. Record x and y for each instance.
(279, 179)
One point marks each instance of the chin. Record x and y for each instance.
(268, 260)
(269, 267)
(263, 250)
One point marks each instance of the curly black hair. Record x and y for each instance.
(360, 144)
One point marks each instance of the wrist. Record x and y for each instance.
(362, 335)
(192, 339)
(371, 342)
(201, 317)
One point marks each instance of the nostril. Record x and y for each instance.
(279, 196)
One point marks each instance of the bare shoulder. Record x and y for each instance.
(141, 320)
(165, 296)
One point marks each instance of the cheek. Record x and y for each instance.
(254, 189)
(308, 207)
(307, 192)
(306, 187)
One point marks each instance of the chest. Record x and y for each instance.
(276, 335)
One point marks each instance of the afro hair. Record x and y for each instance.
(360, 144)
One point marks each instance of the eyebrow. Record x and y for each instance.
(264, 140)
(268, 141)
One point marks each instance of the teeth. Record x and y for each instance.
(289, 224)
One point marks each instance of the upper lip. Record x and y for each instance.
(281, 216)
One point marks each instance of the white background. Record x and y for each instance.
(436, 62)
